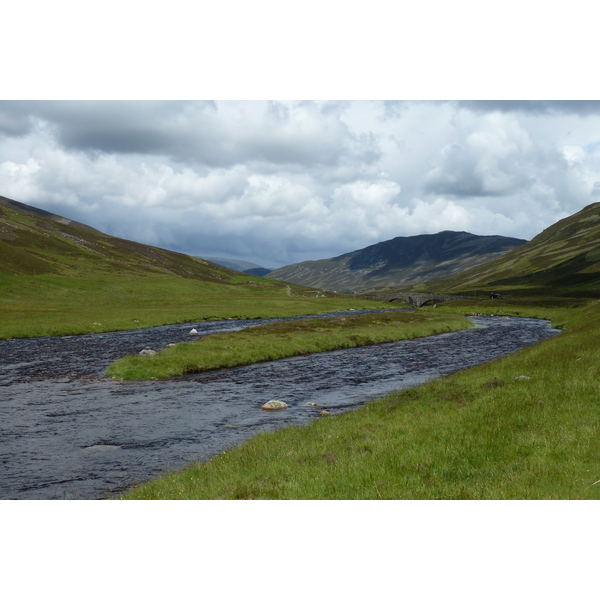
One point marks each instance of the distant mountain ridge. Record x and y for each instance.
(239, 265)
(402, 261)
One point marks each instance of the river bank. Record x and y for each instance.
(70, 432)
(525, 426)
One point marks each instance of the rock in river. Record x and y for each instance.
(274, 405)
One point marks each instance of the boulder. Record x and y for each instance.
(148, 352)
(274, 405)
(193, 332)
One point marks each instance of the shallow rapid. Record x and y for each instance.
(69, 432)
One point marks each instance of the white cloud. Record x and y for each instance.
(279, 182)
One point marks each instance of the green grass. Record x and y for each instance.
(478, 434)
(52, 305)
(281, 340)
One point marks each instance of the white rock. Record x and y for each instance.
(148, 352)
(274, 405)
(193, 332)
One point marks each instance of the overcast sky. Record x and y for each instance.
(280, 182)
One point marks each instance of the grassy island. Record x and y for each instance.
(284, 339)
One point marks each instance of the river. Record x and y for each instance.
(69, 432)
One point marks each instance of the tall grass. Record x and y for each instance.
(478, 434)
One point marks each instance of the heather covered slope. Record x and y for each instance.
(36, 242)
(564, 256)
(403, 261)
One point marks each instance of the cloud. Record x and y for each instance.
(216, 135)
(581, 108)
(492, 156)
(279, 182)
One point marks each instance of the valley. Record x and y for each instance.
(523, 426)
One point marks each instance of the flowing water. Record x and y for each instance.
(69, 432)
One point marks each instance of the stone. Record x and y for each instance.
(193, 332)
(274, 405)
(148, 352)
(522, 378)
(324, 413)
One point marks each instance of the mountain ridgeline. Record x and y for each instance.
(400, 262)
(565, 256)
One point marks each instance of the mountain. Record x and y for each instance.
(37, 242)
(565, 255)
(260, 271)
(402, 261)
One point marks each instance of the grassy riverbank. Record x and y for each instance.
(478, 434)
(281, 340)
(53, 305)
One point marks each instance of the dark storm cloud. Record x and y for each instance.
(194, 132)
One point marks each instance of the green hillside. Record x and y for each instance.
(565, 256)
(60, 277)
(36, 242)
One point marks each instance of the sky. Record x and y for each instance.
(278, 182)
(276, 134)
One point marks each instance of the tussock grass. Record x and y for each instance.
(281, 340)
(478, 434)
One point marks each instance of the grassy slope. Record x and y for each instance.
(56, 305)
(58, 277)
(478, 434)
(281, 340)
(565, 255)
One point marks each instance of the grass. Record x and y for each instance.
(61, 278)
(478, 434)
(280, 340)
(52, 305)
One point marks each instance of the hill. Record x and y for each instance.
(60, 277)
(36, 242)
(402, 261)
(564, 256)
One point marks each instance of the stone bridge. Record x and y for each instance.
(414, 299)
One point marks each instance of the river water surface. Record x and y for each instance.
(69, 432)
